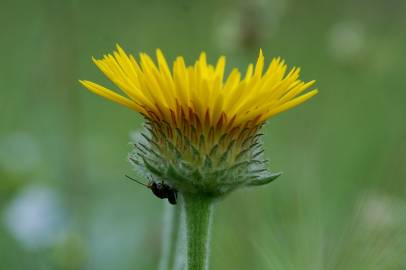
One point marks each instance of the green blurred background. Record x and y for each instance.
(64, 200)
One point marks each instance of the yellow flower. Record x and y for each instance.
(199, 118)
(156, 91)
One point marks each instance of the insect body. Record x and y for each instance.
(161, 190)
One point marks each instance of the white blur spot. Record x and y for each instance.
(227, 30)
(346, 41)
(20, 153)
(380, 211)
(35, 217)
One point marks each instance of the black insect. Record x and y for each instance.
(161, 190)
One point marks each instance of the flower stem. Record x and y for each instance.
(198, 211)
(170, 239)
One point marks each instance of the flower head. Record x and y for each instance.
(201, 126)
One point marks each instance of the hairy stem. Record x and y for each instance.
(198, 211)
(170, 239)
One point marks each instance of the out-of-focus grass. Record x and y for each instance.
(340, 203)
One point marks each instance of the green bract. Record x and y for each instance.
(197, 164)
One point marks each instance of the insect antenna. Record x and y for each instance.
(137, 181)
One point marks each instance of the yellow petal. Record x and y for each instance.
(111, 95)
(290, 104)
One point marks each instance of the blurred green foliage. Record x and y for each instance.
(64, 201)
